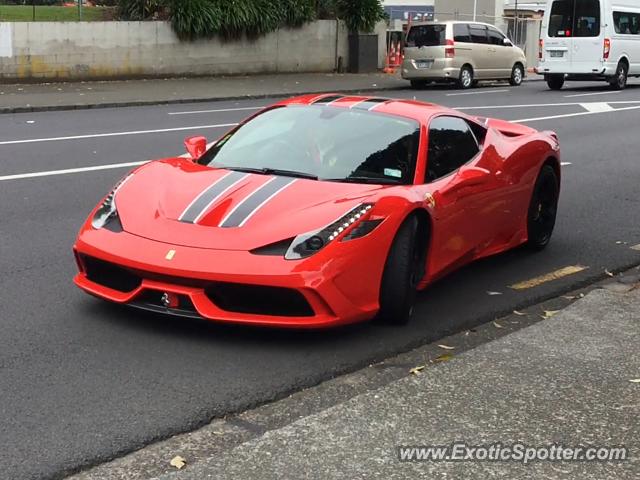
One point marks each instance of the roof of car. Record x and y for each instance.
(413, 109)
(436, 22)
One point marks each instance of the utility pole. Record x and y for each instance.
(475, 9)
(516, 35)
(34, 9)
(80, 10)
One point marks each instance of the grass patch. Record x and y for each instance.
(48, 13)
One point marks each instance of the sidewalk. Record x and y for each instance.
(564, 380)
(16, 98)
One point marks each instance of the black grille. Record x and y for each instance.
(110, 275)
(260, 300)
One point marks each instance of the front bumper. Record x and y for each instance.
(330, 287)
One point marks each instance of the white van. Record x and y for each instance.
(590, 40)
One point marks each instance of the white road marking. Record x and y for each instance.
(567, 115)
(68, 171)
(590, 94)
(239, 109)
(534, 105)
(476, 93)
(596, 107)
(565, 164)
(116, 134)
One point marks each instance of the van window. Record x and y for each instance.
(427, 36)
(451, 145)
(575, 18)
(495, 37)
(461, 33)
(627, 23)
(478, 33)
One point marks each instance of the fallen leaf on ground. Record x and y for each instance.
(446, 347)
(635, 380)
(445, 357)
(522, 314)
(178, 462)
(497, 325)
(608, 272)
(416, 370)
(550, 313)
(493, 293)
(570, 297)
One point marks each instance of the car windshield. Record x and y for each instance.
(324, 143)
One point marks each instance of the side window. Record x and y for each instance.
(627, 23)
(451, 145)
(478, 33)
(495, 37)
(461, 33)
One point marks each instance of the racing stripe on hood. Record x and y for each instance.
(202, 202)
(254, 202)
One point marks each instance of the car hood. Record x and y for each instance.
(181, 203)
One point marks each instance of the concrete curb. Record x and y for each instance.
(178, 101)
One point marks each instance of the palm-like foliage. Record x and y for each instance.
(193, 19)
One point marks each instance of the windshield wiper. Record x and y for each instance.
(273, 171)
(372, 180)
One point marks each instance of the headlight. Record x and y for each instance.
(107, 212)
(307, 244)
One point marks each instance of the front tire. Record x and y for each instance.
(517, 75)
(400, 276)
(465, 80)
(541, 217)
(555, 82)
(619, 81)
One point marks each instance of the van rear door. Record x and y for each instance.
(575, 33)
(426, 43)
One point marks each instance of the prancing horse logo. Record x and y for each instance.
(166, 301)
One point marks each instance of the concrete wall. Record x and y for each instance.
(89, 50)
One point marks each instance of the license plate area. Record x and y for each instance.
(556, 53)
(424, 63)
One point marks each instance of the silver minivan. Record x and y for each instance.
(462, 53)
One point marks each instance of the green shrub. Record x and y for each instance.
(192, 19)
(360, 15)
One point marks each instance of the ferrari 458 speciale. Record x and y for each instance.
(319, 211)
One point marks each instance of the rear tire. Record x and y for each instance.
(555, 82)
(619, 81)
(400, 276)
(465, 80)
(517, 75)
(418, 84)
(541, 217)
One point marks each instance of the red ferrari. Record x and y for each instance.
(320, 211)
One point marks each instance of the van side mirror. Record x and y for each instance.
(507, 42)
(196, 147)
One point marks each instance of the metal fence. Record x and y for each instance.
(56, 10)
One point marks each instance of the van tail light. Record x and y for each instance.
(449, 50)
(540, 49)
(607, 48)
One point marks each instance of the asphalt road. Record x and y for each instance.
(82, 381)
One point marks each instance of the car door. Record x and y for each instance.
(480, 50)
(500, 54)
(458, 185)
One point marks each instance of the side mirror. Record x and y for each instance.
(196, 147)
(507, 42)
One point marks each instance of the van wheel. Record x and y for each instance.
(517, 75)
(619, 82)
(466, 77)
(418, 84)
(555, 82)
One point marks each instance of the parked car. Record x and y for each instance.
(590, 40)
(462, 53)
(319, 211)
